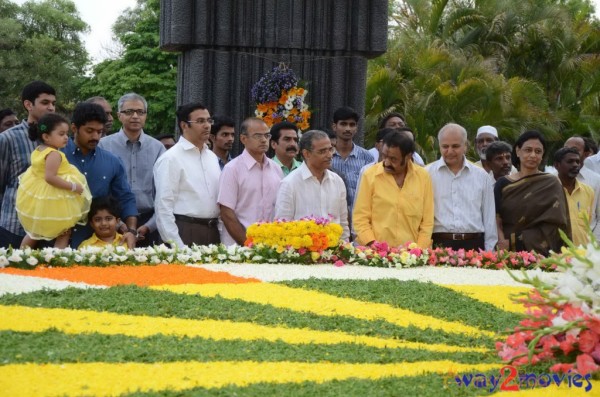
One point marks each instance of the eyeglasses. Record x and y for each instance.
(321, 152)
(202, 121)
(259, 137)
(130, 112)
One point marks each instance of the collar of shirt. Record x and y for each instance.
(441, 163)
(295, 164)
(306, 173)
(187, 145)
(122, 137)
(249, 161)
(95, 241)
(353, 152)
(75, 150)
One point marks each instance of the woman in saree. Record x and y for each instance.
(531, 205)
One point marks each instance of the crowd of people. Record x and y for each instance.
(76, 182)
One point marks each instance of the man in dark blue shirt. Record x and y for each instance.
(104, 171)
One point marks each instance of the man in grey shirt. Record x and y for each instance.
(139, 152)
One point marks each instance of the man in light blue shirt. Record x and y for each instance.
(464, 207)
(138, 152)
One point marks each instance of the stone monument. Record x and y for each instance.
(227, 45)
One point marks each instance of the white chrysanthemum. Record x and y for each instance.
(3, 261)
(31, 261)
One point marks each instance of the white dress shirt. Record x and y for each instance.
(187, 183)
(301, 194)
(464, 203)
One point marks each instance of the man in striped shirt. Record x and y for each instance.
(15, 157)
(464, 208)
(348, 158)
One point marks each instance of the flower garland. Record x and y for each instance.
(563, 320)
(278, 97)
(376, 255)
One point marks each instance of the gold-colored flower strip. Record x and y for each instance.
(104, 379)
(498, 296)
(323, 304)
(31, 319)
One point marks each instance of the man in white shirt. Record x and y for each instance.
(312, 189)
(187, 183)
(464, 209)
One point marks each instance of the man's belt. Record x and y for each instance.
(210, 222)
(456, 236)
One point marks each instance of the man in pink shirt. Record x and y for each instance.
(248, 185)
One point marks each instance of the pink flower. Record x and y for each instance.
(561, 368)
(596, 353)
(338, 263)
(567, 345)
(586, 364)
(588, 340)
(593, 323)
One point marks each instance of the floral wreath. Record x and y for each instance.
(279, 97)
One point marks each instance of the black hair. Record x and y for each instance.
(107, 203)
(590, 145)
(220, 122)
(524, 137)
(330, 133)
(183, 112)
(164, 136)
(389, 116)
(401, 141)
(345, 113)
(45, 125)
(283, 125)
(383, 132)
(496, 148)
(34, 89)
(6, 112)
(85, 112)
(562, 153)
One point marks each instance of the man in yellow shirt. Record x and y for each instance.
(394, 202)
(580, 197)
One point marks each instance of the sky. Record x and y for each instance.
(100, 15)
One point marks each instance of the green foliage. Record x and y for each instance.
(142, 68)
(141, 301)
(513, 64)
(40, 41)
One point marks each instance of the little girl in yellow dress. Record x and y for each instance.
(53, 195)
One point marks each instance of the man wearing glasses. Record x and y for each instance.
(312, 189)
(248, 185)
(187, 183)
(138, 152)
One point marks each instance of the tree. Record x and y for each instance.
(142, 68)
(515, 64)
(40, 40)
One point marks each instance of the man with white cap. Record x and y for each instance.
(486, 135)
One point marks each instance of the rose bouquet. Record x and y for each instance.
(562, 324)
(279, 97)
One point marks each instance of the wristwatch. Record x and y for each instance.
(132, 231)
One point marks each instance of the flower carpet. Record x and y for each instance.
(171, 330)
